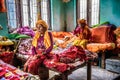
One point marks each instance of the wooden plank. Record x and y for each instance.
(103, 60)
(89, 70)
(65, 74)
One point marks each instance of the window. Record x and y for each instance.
(88, 9)
(83, 9)
(25, 12)
(95, 12)
(29, 11)
(21, 13)
(33, 13)
(45, 11)
(11, 9)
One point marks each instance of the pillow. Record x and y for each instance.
(103, 34)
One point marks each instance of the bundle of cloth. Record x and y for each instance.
(60, 34)
(63, 59)
(57, 60)
(103, 34)
(24, 50)
(103, 38)
(25, 47)
(25, 30)
(62, 39)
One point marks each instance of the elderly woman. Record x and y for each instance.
(42, 46)
(82, 33)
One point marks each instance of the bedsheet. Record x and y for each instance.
(9, 72)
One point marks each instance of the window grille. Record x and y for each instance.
(93, 10)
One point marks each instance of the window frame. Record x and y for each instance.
(10, 29)
(48, 13)
(89, 13)
(19, 14)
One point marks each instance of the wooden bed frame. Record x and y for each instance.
(64, 75)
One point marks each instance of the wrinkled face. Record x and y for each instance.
(41, 29)
(82, 25)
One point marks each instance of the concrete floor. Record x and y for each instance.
(97, 74)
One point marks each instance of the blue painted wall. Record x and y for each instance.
(3, 23)
(63, 15)
(110, 11)
(70, 15)
(57, 15)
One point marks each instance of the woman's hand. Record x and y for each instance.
(43, 53)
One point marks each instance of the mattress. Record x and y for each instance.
(96, 47)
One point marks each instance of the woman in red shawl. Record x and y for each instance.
(42, 45)
(82, 33)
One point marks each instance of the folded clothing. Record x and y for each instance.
(71, 55)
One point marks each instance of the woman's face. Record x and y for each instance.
(82, 25)
(41, 29)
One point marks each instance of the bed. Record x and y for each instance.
(23, 54)
(9, 72)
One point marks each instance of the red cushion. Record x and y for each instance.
(102, 34)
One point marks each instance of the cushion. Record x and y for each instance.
(103, 34)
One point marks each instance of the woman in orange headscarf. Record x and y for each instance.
(42, 45)
(82, 33)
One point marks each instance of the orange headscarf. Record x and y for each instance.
(86, 32)
(46, 35)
